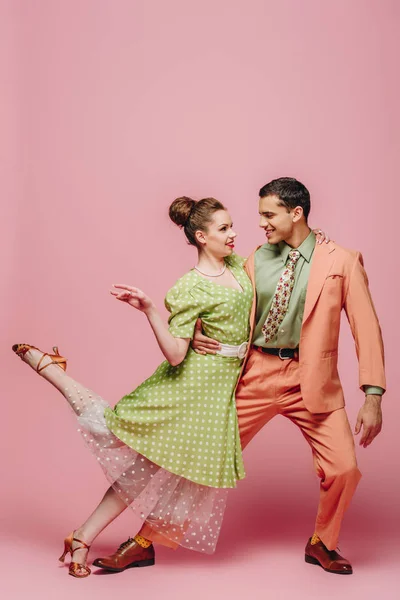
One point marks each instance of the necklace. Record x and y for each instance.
(208, 274)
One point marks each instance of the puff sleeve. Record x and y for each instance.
(184, 309)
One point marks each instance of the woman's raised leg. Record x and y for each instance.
(79, 397)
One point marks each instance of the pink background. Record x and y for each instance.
(109, 110)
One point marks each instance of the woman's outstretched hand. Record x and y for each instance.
(132, 296)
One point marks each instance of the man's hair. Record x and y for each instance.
(290, 192)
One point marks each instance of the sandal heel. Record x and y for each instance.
(67, 548)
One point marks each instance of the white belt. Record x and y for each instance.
(233, 351)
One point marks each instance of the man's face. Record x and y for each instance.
(277, 221)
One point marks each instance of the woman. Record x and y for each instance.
(170, 448)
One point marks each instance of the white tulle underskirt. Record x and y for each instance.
(183, 512)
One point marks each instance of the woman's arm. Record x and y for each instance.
(174, 349)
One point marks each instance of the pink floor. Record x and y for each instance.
(51, 485)
(266, 562)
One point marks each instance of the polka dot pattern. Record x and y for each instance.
(171, 448)
(184, 418)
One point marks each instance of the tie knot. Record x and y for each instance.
(294, 255)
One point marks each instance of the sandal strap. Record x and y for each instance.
(58, 361)
(84, 545)
(73, 566)
(38, 369)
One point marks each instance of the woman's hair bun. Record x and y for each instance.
(180, 209)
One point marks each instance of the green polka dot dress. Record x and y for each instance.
(183, 418)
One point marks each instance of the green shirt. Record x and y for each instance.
(270, 261)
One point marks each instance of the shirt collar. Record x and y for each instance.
(306, 248)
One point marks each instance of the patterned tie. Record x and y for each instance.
(280, 301)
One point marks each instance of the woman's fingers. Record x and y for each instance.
(123, 291)
(126, 296)
(122, 286)
(321, 236)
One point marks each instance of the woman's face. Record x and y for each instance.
(219, 239)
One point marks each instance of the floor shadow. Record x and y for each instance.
(254, 519)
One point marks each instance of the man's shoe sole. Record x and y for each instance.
(313, 561)
(137, 563)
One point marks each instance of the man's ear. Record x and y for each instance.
(297, 214)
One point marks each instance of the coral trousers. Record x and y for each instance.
(270, 386)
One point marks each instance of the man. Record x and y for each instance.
(291, 367)
(291, 364)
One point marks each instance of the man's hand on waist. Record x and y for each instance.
(203, 344)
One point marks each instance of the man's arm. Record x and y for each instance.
(367, 335)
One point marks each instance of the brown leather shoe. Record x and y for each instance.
(128, 555)
(329, 560)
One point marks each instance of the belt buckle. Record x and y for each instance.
(242, 350)
(283, 357)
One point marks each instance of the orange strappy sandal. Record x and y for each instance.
(74, 567)
(56, 358)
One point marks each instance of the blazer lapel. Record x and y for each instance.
(249, 268)
(321, 264)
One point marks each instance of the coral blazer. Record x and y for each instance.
(337, 281)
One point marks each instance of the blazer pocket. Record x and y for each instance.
(334, 285)
(334, 277)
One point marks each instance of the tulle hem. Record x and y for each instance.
(182, 511)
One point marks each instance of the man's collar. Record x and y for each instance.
(306, 248)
